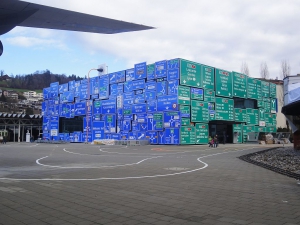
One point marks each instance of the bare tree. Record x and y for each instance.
(284, 72)
(285, 69)
(264, 71)
(245, 69)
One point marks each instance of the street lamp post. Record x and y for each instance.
(88, 104)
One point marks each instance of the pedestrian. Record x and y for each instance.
(4, 139)
(210, 142)
(224, 136)
(1, 139)
(216, 142)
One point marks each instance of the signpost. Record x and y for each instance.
(273, 93)
(103, 87)
(202, 133)
(150, 96)
(184, 95)
(185, 110)
(150, 86)
(252, 117)
(224, 109)
(79, 109)
(151, 71)
(267, 103)
(190, 73)
(268, 119)
(187, 135)
(239, 85)
(130, 74)
(155, 121)
(262, 120)
(140, 71)
(185, 121)
(109, 106)
(173, 64)
(209, 95)
(171, 136)
(161, 69)
(265, 89)
(260, 104)
(138, 84)
(197, 94)
(139, 108)
(224, 83)
(172, 119)
(273, 105)
(240, 115)
(274, 121)
(211, 111)
(110, 123)
(259, 89)
(199, 111)
(173, 74)
(152, 106)
(247, 129)
(173, 87)
(208, 77)
(152, 136)
(167, 103)
(253, 88)
(161, 88)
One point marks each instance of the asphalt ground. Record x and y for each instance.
(96, 184)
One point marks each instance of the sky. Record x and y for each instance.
(219, 33)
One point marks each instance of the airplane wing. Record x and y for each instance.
(20, 13)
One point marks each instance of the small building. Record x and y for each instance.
(33, 96)
(12, 94)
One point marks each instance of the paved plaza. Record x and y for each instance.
(96, 184)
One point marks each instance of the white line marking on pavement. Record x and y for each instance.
(125, 178)
(170, 153)
(86, 167)
(76, 153)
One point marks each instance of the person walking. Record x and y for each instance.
(224, 136)
(216, 141)
(4, 139)
(210, 142)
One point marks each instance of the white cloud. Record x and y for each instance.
(28, 42)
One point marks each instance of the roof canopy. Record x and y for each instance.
(20, 13)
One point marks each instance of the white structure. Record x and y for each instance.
(32, 96)
(280, 119)
(11, 94)
(291, 89)
(29, 94)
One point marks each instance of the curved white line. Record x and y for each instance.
(76, 153)
(171, 153)
(83, 167)
(126, 178)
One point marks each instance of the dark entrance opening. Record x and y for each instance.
(69, 125)
(223, 129)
